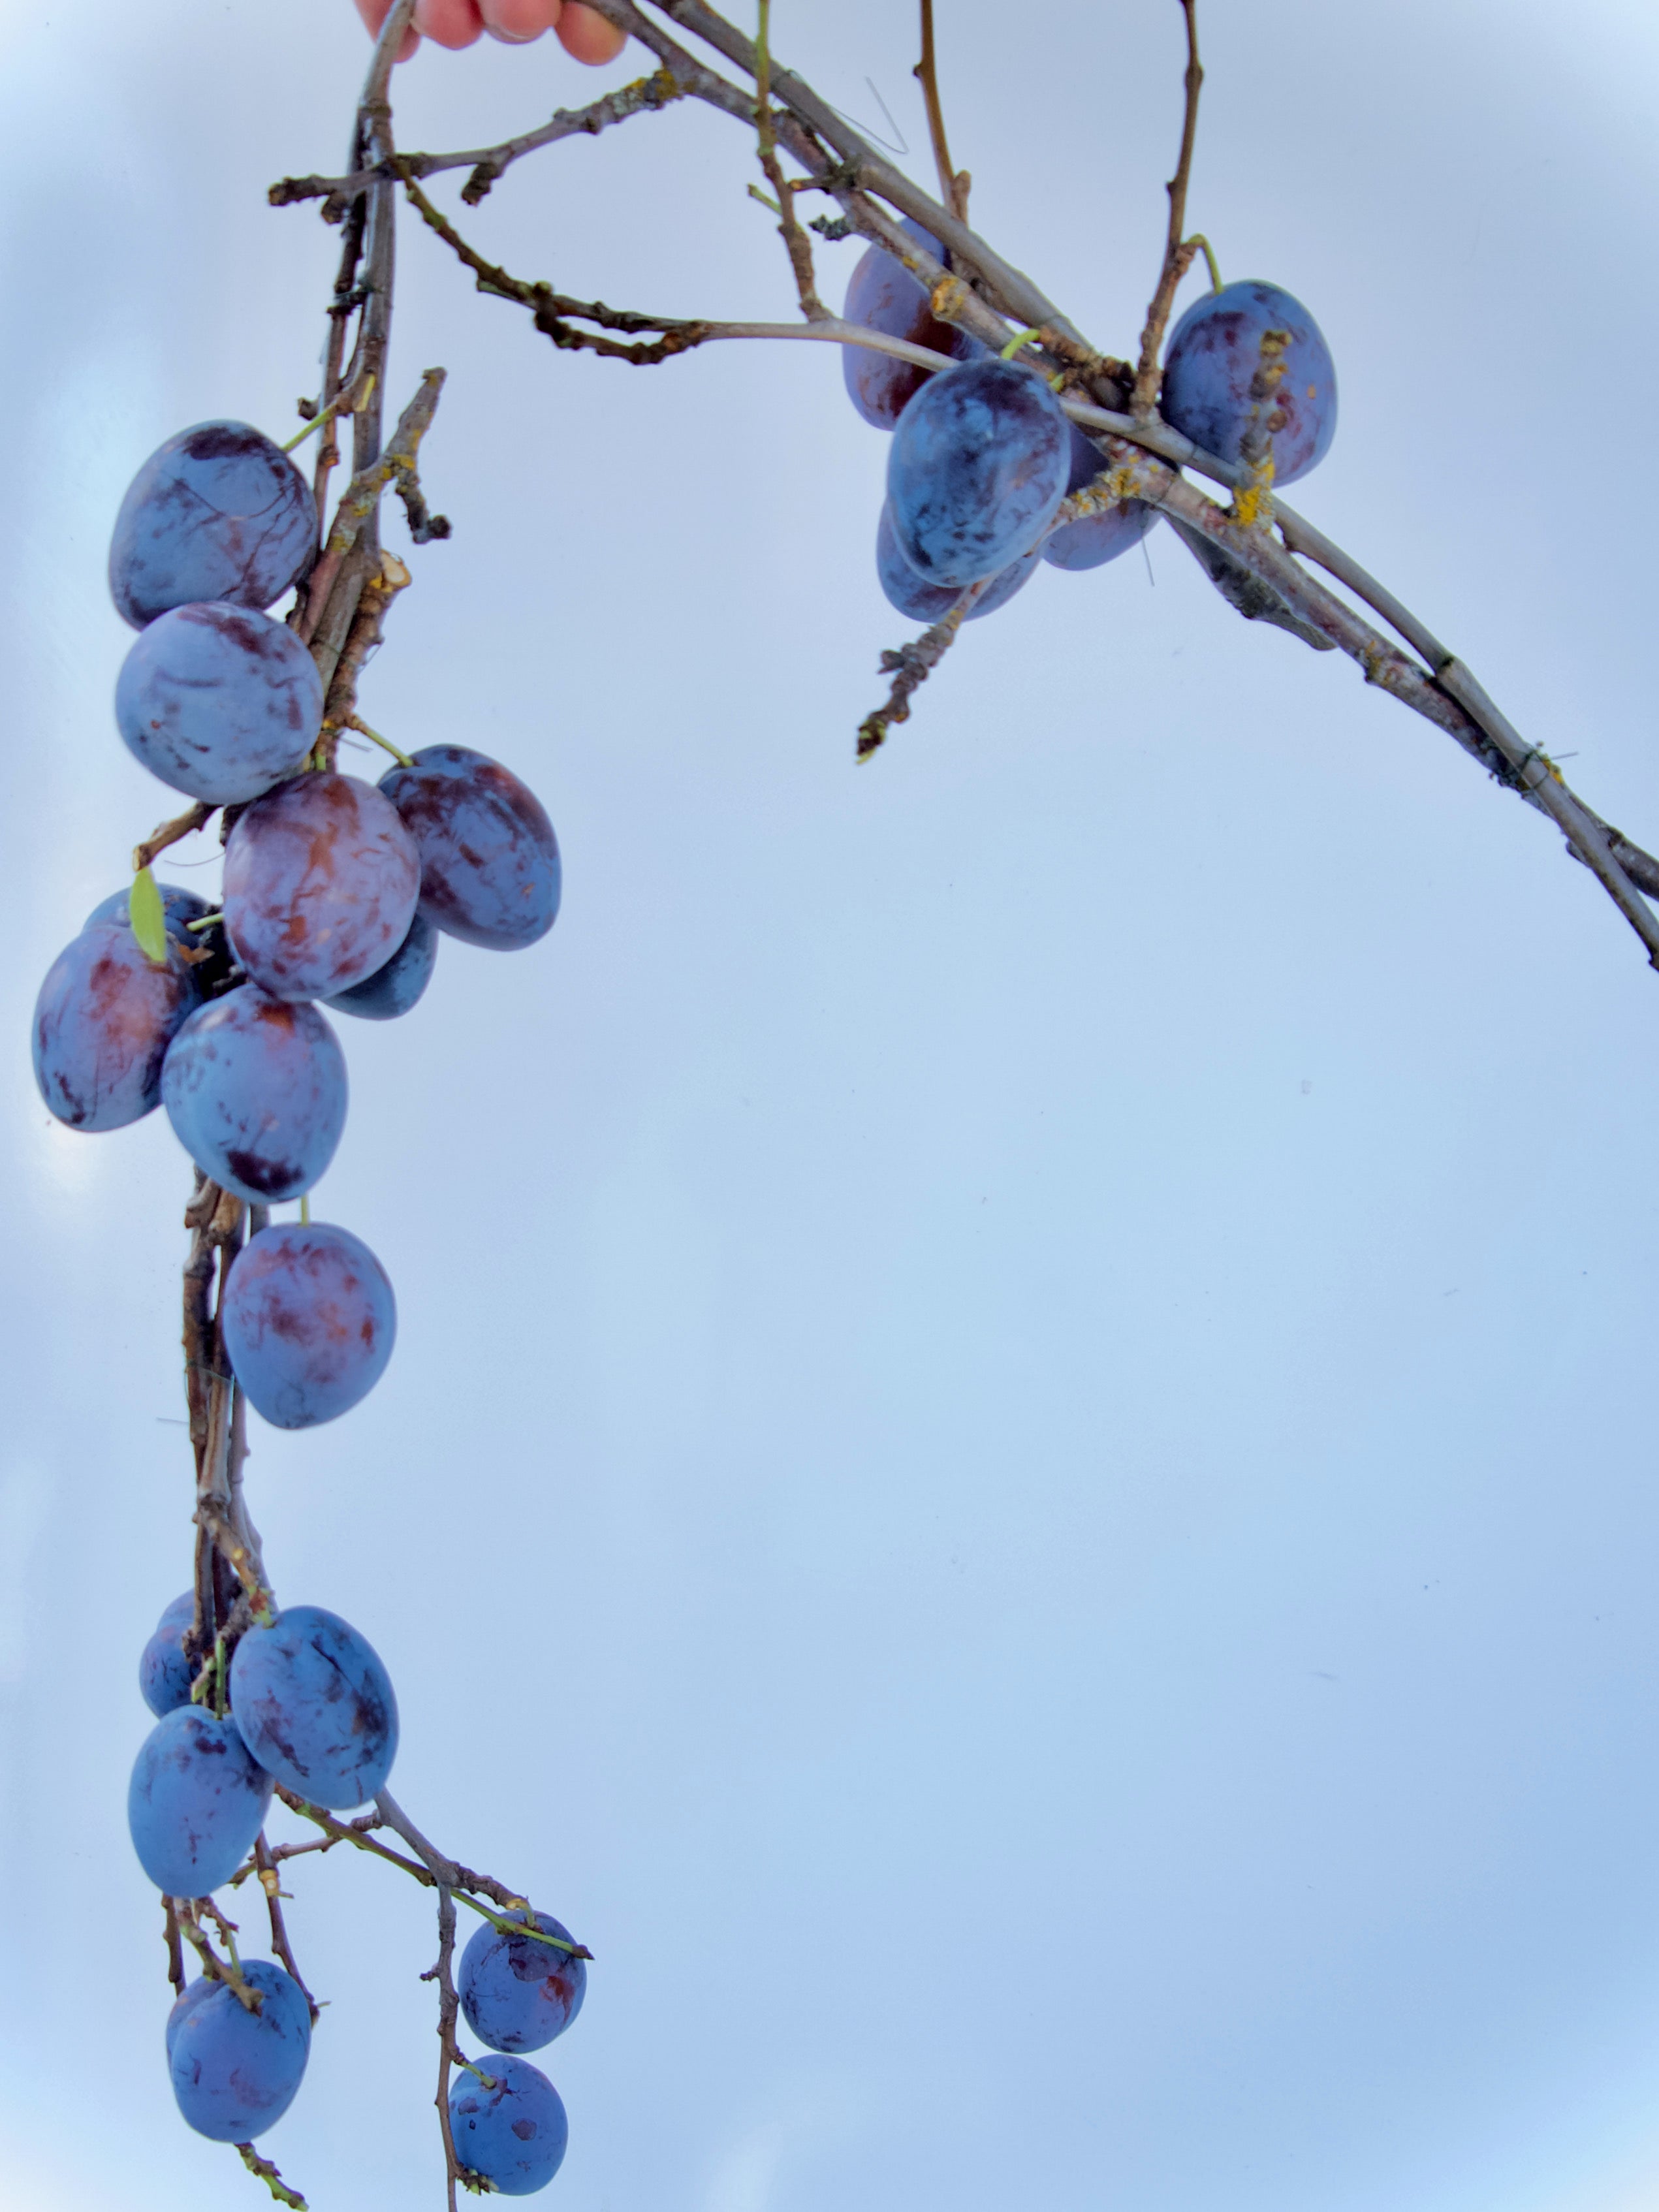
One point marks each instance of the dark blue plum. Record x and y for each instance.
(103, 1023)
(489, 861)
(309, 1322)
(1098, 537)
(884, 296)
(219, 702)
(180, 1612)
(979, 463)
(1214, 354)
(398, 986)
(321, 879)
(236, 2072)
(196, 1801)
(179, 910)
(194, 1993)
(928, 603)
(513, 2134)
(315, 1706)
(255, 1089)
(219, 512)
(518, 1994)
(164, 1673)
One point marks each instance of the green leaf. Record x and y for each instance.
(149, 920)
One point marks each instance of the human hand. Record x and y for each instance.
(582, 33)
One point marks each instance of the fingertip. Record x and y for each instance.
(452, 23)
(519, 22)
(588, 37)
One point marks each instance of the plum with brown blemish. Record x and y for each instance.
(513, 2133)
(518, 1994)
(321, 879)
(104, 1020)
(196, 1801)
(1215, 353)
(255, 1089)
(218, 702)
(309, 1322)
(315, 1706)
(884, 296)
(489, 861)
(218, 512)
(234, 2072)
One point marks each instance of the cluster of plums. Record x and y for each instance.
(335, 894)
(308, 1703)
(983, 454)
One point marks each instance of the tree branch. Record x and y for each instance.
(1178, 250)
(489, 163)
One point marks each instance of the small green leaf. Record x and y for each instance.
(149, 920)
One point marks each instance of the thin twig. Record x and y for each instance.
(193, 818)
(911, 665)
(489, 163)
(175, 1948)
(270, 1882)
(1179, 249)
(267, 2173)
(953, 186)
(796, 242)
(379, 591)
(353, 528)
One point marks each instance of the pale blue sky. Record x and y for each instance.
(1018, 1473)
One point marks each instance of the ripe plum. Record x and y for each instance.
(309, 1320)
(515, 2134)
(489, 860)
(1214, 353)
(518, 1994)
(979, 463)
(236, 2072)
(104, 1020)
(219, 702)
(315, 1706)
(925, 602)
(219, 512)
(1096, 538)
(400, 985)
(255, 1089)
(163, 1670)
(196, 1801)
(321, 879)
(884, 296)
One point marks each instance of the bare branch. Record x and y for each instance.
(489, 163)
(796, 242)
(953, 188)
(193, 818)
(270, 1882)
(353, 518)
(263, 2168)
(1179, 249)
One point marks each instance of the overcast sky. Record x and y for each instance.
(1018, 1473)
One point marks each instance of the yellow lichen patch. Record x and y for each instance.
(946, 297)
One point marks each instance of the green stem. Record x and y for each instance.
(1021, 338)
(354, 401)
(207, 920)
(1204, 246)
(522, 1928)
(353, 722)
